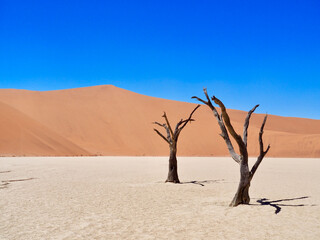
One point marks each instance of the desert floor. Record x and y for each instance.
(126, 198)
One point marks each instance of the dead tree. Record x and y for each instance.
(246, 175)
(172, 140)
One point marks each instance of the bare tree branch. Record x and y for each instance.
(168, 135)
(262, 152)
(168, 124)
(169, 139)
(189, 119)
(208, 103)
(224, 133)
(161, 125)
(237, 137)
(200, 100)
(160, 134)
(172, 137)
(180, 123)
(260, 135)
(183, 123)
(246, 124)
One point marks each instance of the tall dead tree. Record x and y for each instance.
(172, 140)
(246, 175)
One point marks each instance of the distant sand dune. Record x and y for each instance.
(21, 135)
(106, 120)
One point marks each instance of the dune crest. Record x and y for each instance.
(106, 120)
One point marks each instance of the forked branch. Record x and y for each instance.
(208, 103)
(262, 152)
(237, 137)
(224, 133)
(172, 137)
(260, 137)
(168, 124)
(246, 124)
(160, 134)
(169, 138)
(182, 123)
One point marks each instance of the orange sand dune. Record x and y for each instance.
(21, 135)
(106, 120)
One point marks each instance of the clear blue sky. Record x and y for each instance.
(244, 52)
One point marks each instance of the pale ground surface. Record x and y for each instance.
(126, 198)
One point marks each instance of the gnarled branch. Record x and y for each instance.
(224, 133)
(160, 134)
(208, 103)
(182, 123)
(172, 137)
(262, 152)
(246, 124)
(168, 124)
(161, 125)
(237, 137)
(168, 138)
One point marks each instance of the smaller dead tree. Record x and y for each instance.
(246, 175)
(172, 140)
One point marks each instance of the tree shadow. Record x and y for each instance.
(202, 183)
(276, 205)
(5, 183)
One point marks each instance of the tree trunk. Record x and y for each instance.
(242, 194)
(173, 167)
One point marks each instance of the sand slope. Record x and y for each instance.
(21, 135)
(106, 120)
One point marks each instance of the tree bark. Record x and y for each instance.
(242, 194)
(173, 167)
